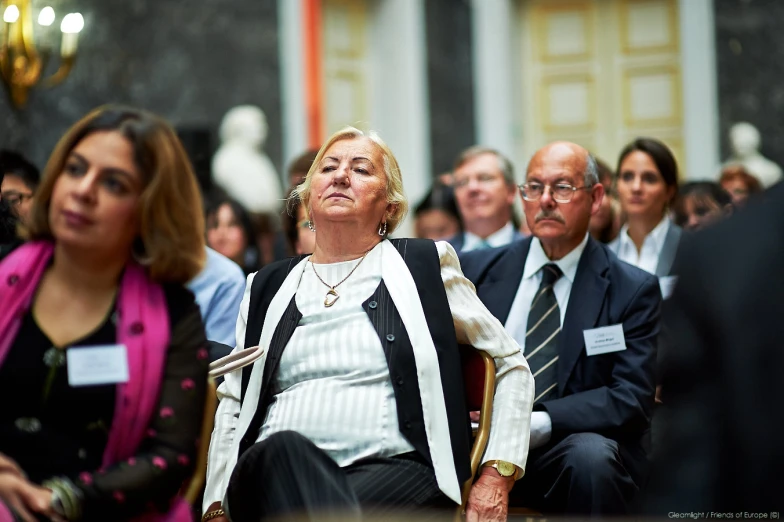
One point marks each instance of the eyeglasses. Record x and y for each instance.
(561, 192)
(482, 179)
(15, 198)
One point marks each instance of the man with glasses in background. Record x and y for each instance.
(587, 324)
(20, 179)
(484, 185)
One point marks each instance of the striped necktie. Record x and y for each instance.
(541, 338)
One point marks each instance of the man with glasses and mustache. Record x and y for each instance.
(587, 324)
(484, 186)
(19, 180)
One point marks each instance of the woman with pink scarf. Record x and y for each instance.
(103, 365)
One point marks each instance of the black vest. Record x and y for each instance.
(422, 260)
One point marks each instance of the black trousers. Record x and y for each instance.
(287, 477)
(582, 474)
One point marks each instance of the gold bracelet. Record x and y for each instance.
(212, 514)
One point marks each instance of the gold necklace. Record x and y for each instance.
(332, 293)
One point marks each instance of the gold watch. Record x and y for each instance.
(504, 468)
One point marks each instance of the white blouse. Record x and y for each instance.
(333, 384)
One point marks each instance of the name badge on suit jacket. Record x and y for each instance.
(94, 365)
(606, 339)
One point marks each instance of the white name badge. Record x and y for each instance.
(94, 365)
(667, 285)
(604, 340)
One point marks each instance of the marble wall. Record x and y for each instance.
(190, 61)
(450, 80)
(749, 46)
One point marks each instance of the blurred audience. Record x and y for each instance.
(647, 184)
(300, 233)
(20, 179)
(101, 346)
(606, 223)
(740, 184)
(485, 191)
(437, 217)
(721, 447)
(231, 233)
(701, 203)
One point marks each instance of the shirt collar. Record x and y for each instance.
(568, 263)
(500, 237)
(656, 236)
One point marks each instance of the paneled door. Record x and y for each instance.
(600, 73)
(345, 63)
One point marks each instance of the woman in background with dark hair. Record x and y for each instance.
(701, 203)
(230, 232)
(437, 217)
(647, 183)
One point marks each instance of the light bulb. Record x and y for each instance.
(11, 14)
(46, 16)
(72, 23)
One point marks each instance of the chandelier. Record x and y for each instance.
(22, 63)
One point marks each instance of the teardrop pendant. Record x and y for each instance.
(329, 302)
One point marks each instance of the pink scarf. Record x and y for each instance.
(143, 327)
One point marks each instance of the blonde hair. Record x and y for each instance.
(171, 241)
(395, 194)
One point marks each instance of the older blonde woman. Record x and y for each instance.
(357, 405)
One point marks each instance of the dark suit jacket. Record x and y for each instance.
(721, 444)
(611, 394)
(458, 241)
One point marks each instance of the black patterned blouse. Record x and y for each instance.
(54, 430)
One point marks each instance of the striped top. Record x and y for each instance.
(333, 384)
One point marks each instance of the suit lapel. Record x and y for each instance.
(585, 303)
(669, 249)
(500, 288)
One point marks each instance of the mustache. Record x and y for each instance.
(549, 214)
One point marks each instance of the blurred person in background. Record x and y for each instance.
(720, 447)
(701, 203)
(231, 233)
(740, 184)
(485, 190)
(437, 217)
(298, 170)
(358, 406)
(300, 234)
(101, 346)
(606, 223)
(647, 184)
(20, 179)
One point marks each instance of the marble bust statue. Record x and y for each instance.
(240, 165)
(745, 143)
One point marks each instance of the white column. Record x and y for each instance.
(493, 59)
(700, 93)
(398, 82)
(292, 82)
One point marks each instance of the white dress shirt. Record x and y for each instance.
(333, 384)
(499, 238)
(474, 325)
(517, 322)
(648, 257)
